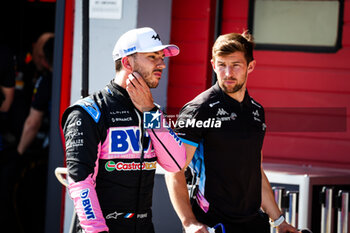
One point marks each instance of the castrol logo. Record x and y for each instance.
(133, 166)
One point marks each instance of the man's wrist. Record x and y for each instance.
(277, 221)
(154, 109)
(19, 151)
(150, 109)
(189, 221)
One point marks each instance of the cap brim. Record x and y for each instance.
(169, 50)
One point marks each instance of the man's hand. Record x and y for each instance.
(286, 228)
(196, 227)
(139, 92)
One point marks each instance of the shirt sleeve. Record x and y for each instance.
(82, 141)
(42, 94)
(187, 127)
(170, 151)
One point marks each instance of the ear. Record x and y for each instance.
(46, 64)
(126, 64)
(251, 66)
(212, 63)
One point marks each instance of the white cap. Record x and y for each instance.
(142, 40)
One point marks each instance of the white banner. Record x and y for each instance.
(106, 9)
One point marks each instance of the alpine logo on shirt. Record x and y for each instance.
(256, 113)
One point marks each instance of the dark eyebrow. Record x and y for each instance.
(237, 62)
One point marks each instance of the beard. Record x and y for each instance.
(147, 76)
(233, 89)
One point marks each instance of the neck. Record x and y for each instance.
(238, 95)
(121, 77)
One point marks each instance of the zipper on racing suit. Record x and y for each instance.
(141, 141)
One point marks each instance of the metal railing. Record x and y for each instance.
(343, 211)
(326, 199)
(280, 198)
(291, 212)
(331, 204)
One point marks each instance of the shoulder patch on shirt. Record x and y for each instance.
(90, 107)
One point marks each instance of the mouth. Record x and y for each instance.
(230, 81)
(157, 73)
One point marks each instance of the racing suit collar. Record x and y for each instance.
(117, 90)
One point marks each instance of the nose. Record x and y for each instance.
(229, 71)
(161, 64)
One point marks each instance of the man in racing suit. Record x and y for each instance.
(111, 158)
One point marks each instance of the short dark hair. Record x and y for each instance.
(118, 63)
(232, 42)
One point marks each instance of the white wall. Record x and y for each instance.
(157, 14)
(103, 35)
(105, 32)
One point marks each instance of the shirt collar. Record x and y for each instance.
(226, 98)
(117, 90)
